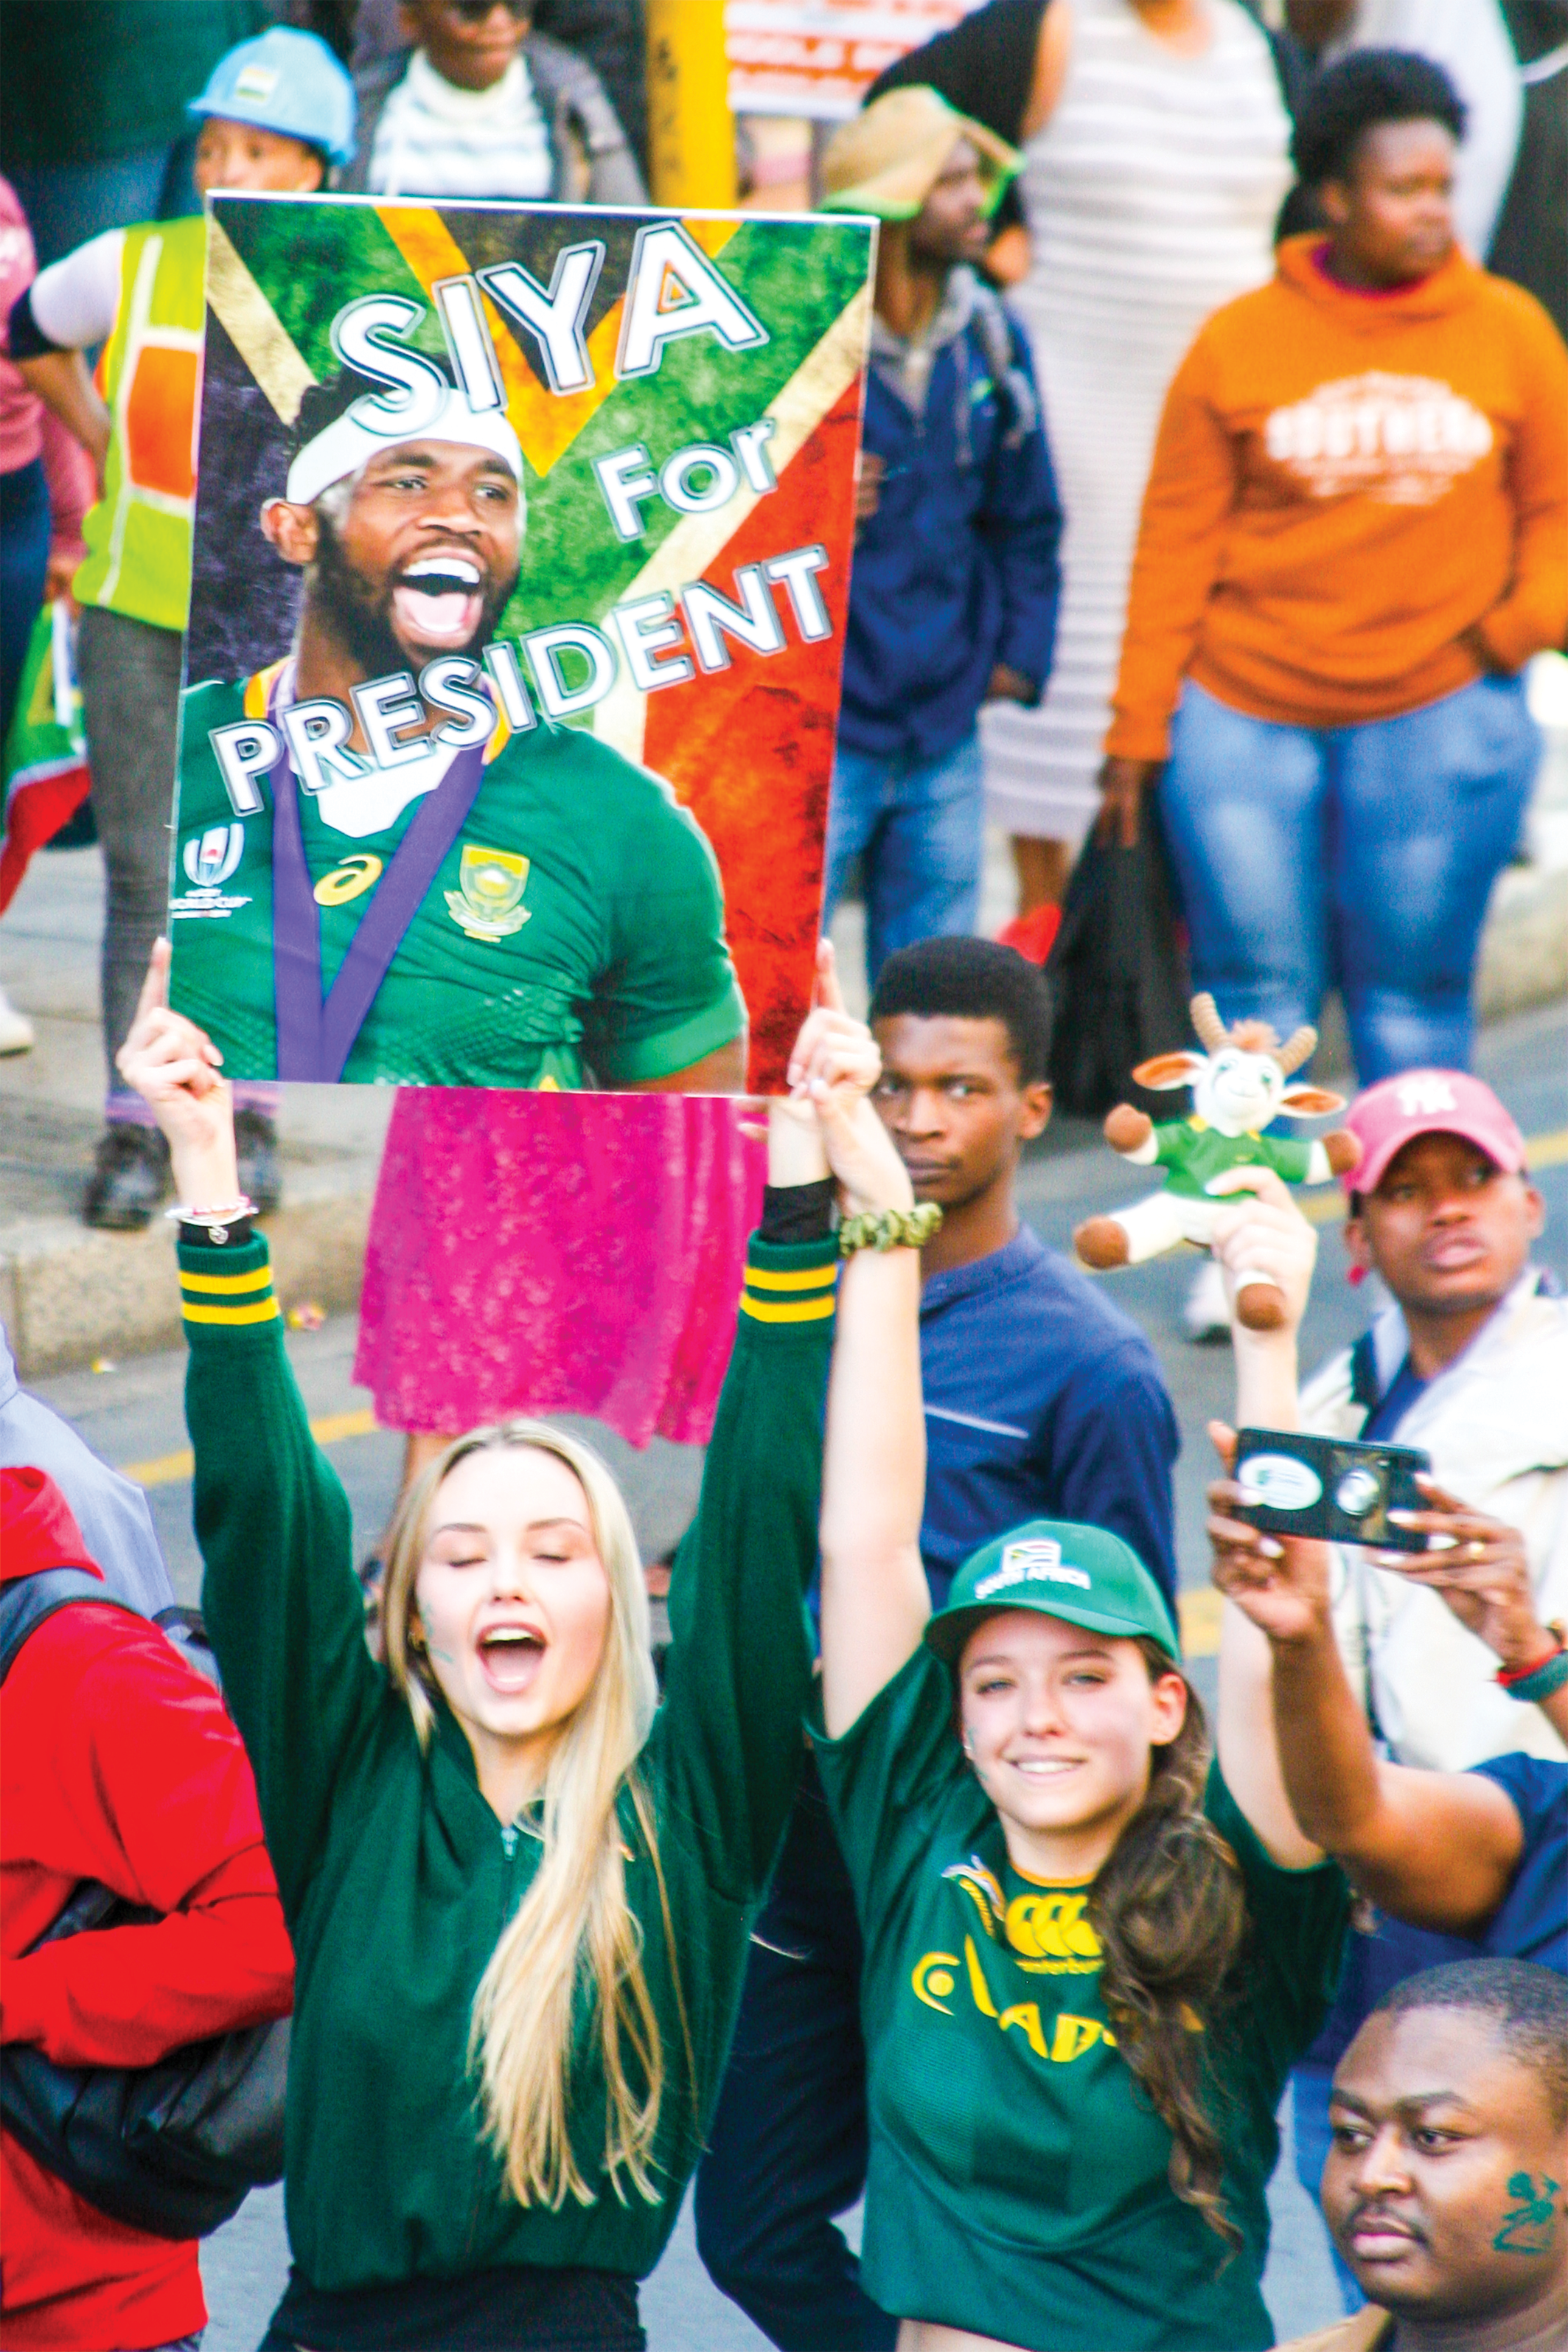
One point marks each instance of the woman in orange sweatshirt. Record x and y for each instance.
(1354, 535)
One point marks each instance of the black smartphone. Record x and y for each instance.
(1332, 1490)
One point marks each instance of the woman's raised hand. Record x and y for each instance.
(175, 1068)
(833, 1069)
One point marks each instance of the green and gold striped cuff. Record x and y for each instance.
(779, 1293)
(230, 1298)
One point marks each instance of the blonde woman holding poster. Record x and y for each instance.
(520, 1897)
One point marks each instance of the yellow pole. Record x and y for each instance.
(691, 132)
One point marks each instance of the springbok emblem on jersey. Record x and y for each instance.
(487, 901)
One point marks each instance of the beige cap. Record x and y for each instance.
(887, 160)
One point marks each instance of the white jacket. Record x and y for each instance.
(1496, 1426)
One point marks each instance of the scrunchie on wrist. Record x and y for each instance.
(885, 1229)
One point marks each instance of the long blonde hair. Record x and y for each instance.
(574, 1926)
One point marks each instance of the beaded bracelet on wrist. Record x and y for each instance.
(888, 1229)
(1543, 1681)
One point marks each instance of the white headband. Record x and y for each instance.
(351, 440)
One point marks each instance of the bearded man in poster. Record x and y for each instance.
(427, 884)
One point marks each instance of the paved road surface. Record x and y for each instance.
(132, 1415)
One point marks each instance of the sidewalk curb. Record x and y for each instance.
(68, 1296)
(1524, 947)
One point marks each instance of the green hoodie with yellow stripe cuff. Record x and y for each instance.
(397, 1878)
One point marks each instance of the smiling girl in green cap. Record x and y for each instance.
(1085, 1976)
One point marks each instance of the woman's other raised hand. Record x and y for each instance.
(832, 1070)
(177, 1070)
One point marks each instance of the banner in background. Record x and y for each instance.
(818, 57)
(522, 555)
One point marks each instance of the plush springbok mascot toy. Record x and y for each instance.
(1237, 1087)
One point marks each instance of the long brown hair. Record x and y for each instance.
(1170, 1911)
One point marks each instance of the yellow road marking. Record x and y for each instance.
(1200, 1622)
(1322, 1208)
(168, 1469)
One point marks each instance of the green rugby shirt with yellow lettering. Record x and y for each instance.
(1018, 2183)
(601, 958)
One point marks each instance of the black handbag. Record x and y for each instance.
(1117, 976)
(174, 2147)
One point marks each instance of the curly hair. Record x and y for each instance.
(977, 979)
(1169, 1908)
(1368, 87)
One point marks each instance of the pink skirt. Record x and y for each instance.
(557, 1253)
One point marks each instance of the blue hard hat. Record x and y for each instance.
(289, 82)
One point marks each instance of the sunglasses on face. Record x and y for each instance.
(475, 12)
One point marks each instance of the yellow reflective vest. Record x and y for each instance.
(137, 536)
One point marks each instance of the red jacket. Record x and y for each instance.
(117, 1763)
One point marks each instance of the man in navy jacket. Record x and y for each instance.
(1042, 1399)
(953, 601)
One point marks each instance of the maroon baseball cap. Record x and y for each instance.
(1391, 1114)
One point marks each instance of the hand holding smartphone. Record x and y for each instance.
(1329, 1489)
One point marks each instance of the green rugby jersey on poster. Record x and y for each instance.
(572, 933)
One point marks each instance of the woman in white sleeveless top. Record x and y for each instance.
(1156, 163)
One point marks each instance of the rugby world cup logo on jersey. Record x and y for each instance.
(212, 857)
(208, 859)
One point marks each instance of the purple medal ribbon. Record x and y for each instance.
(316, 1035)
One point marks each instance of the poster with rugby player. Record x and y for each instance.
(522, 555)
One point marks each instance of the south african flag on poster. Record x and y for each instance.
(481, 489)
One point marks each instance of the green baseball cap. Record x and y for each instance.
(1086, 1575)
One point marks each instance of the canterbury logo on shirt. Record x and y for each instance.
(1400, 439)
(1047, 1932)
(1039, 1932)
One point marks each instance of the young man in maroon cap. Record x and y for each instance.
(1453, 1658)
(1471, 1363)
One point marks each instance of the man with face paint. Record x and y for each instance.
(387, 868)
(1446, 2182)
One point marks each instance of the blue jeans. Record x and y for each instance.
(1361, 857)
(915, 826)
